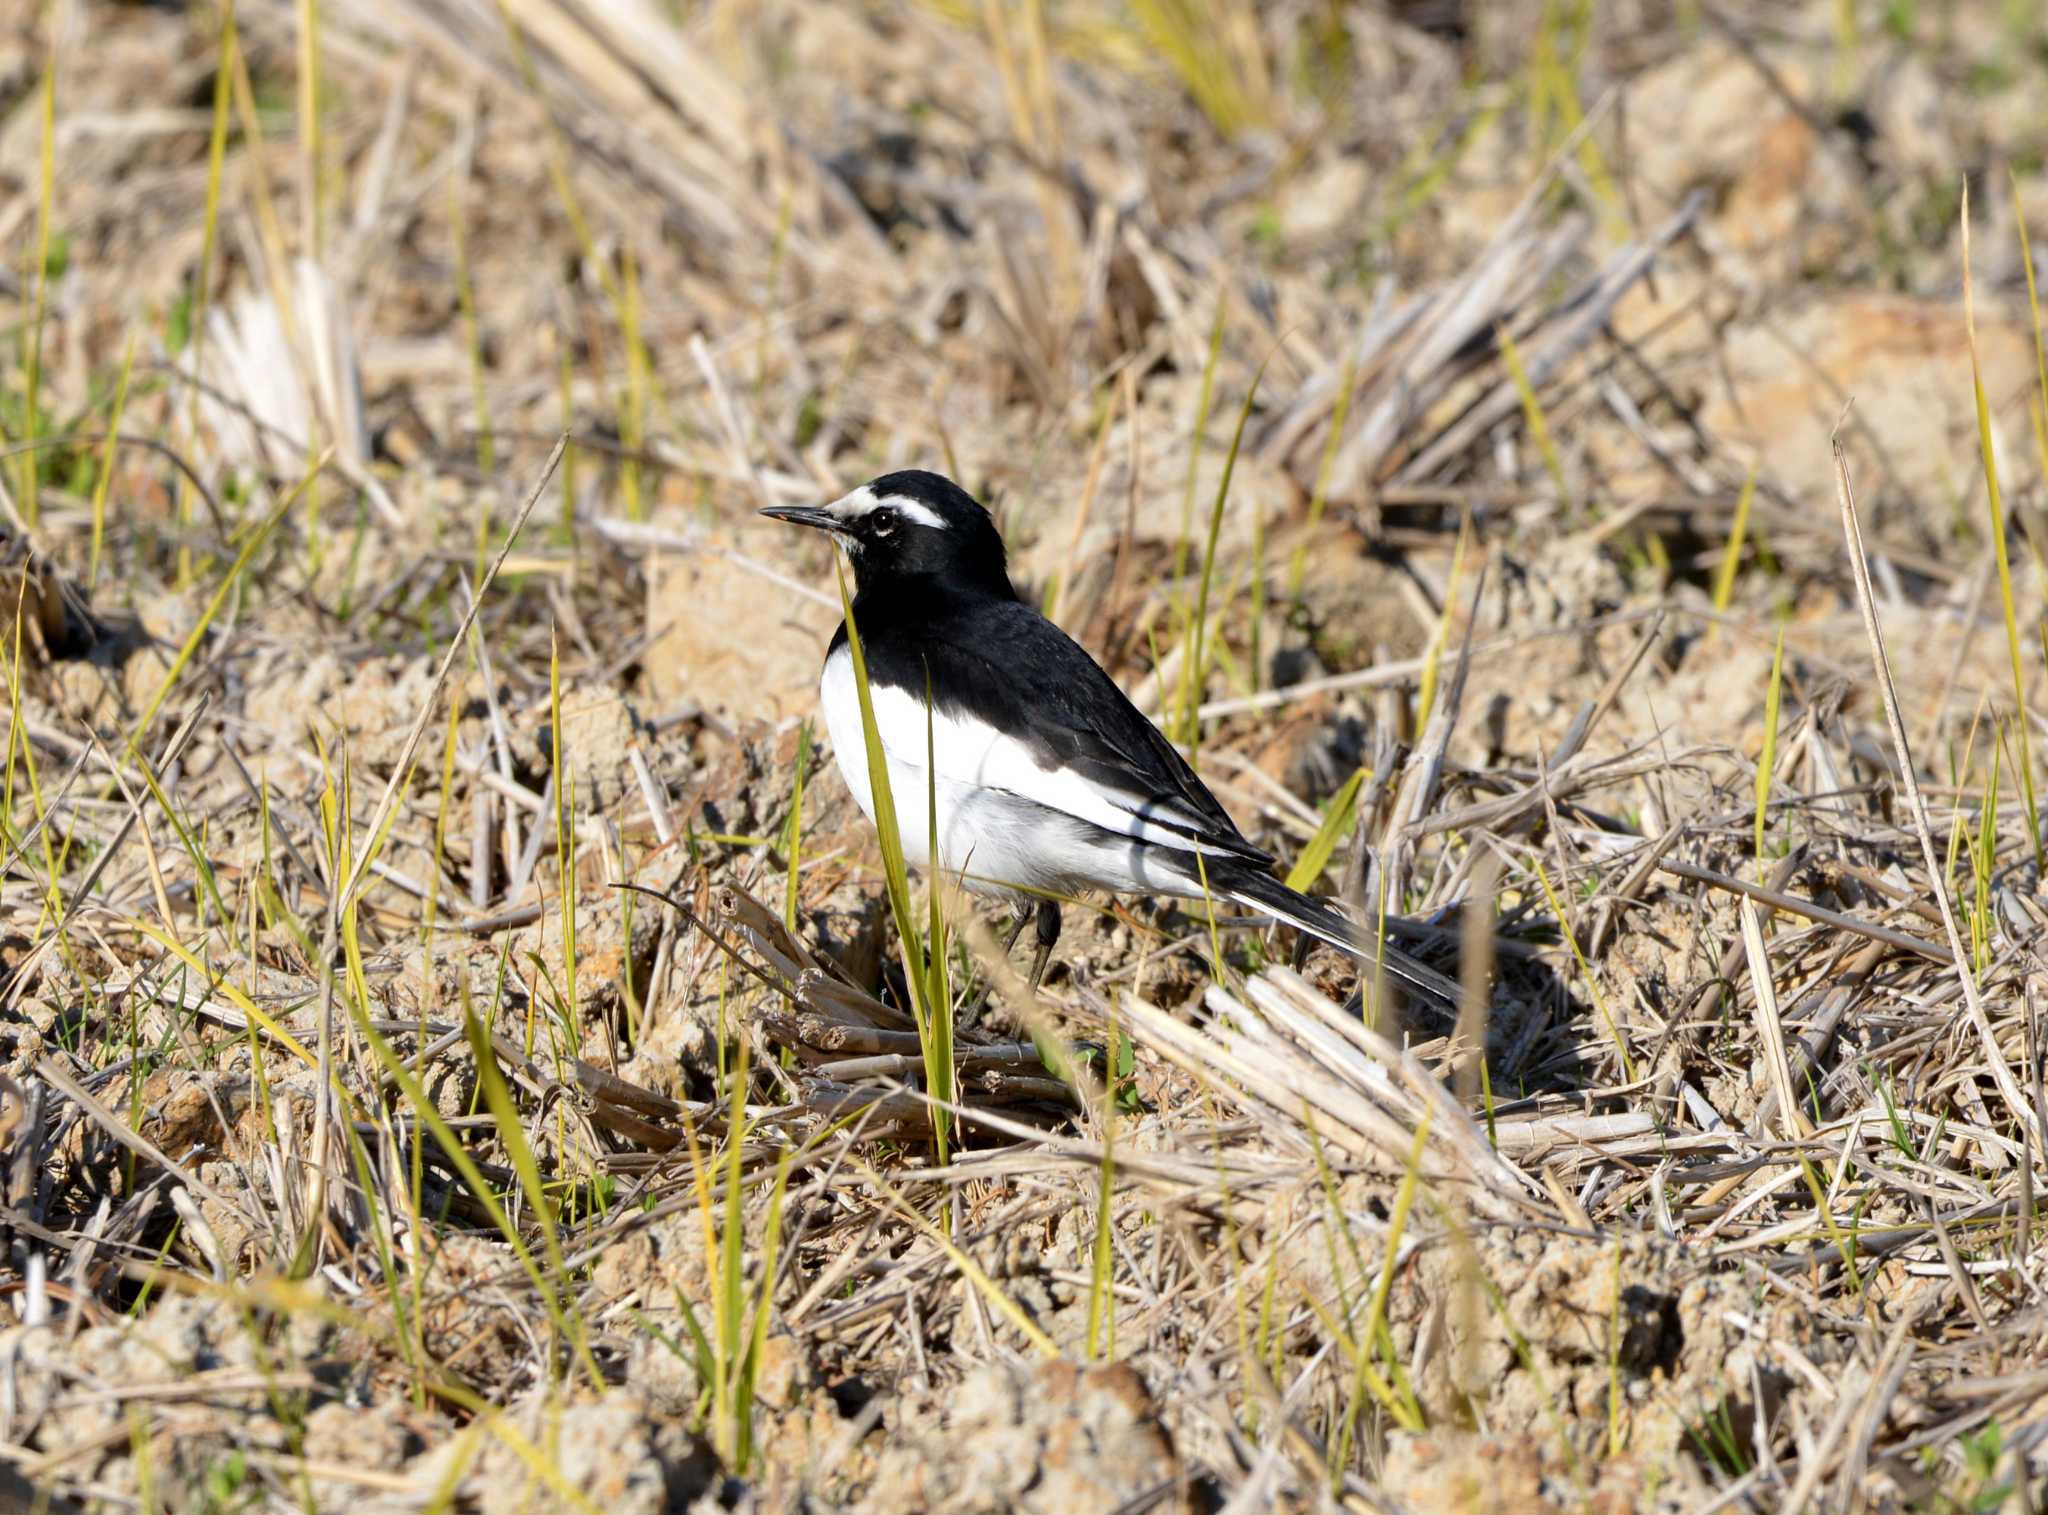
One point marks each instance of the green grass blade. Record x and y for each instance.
(202, 865)
(472, 335)
(1337, 818)
(1203, 399)
(895, 869)
(250, 544)
(1218, 63)
(764, 1303)
(731, 1254)
(1767, 760)
(1628, 1071)
(2040, 410)
(1192, 666)
(422, 1103)
(1101, 1275)
(1209, 916)
(938, 1042)
(1433, 657)
(565, 823)
(633, 413)
(1995, 503)
(231, 70)
(46, 189)
(1340, 410)
(511, 1133)
(1534, 418)
(968, 1268)
(793, 833)
(106, 479)
(1731, 555)
(1399, 1402)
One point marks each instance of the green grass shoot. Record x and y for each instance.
(1337, 818)
(559, 174)
(511, 1133)
(937, 1044)
(46, 193)
(2039, 410)
(967, 1267)
(1534, 418)
(793, 830)
(1373, 1336)
(564, 819)
(1731, 555)
(1984, 856)
(1204, 397)
(1614, 1335)
(1102, 1259)
(1193, 667)
(312, 223)
(1767, 760)
(105, 481)
(1209, 919)
(565, 398)
(1564, 925)
(1215, 51)
(633, 412)
(1053, 603)
(422, 1104)
(1440, 639)
(472, 334)
(727, 1357)
(1563, 34)
(1995, 504)
(1844, 1243)
(896, 874)
(1340, 411)
(1847, 39)
(209, 239)
(1429, 165)
(253, 541)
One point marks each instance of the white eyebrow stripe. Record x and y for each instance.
(851, 506)
(924, 515)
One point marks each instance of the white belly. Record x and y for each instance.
(994, 840)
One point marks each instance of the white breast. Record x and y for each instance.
(1004, 822)
(839, 698)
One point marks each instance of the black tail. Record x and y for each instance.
(1261, 891)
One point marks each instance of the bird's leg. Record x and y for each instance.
(1048, 935)
(972, 1013)
(1023, 910)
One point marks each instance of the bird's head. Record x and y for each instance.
(907, 526)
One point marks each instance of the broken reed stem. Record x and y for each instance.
(1770, 1023)
(1475, 979)
(2002, 1075)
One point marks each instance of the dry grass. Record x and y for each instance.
(451, 1060)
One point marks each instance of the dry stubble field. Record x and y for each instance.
(1428, 410)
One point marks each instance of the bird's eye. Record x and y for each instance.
(884, 521)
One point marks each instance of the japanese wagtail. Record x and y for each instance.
(1048, 780)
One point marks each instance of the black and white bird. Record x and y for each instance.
(1048, 780)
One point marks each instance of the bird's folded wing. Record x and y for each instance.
(1054, 729)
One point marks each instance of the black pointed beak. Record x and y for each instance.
(803, 515)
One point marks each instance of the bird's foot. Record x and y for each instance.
(1047, 914)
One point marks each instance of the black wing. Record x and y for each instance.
(1000, 663)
